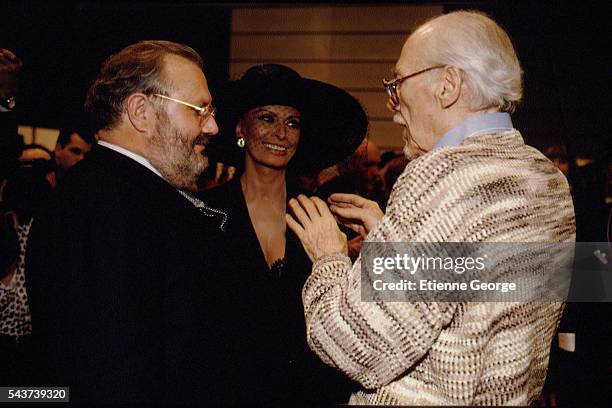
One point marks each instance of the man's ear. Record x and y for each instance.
(139, 112)
(449, 91)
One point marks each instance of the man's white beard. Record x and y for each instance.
(174, 157)
(411, 149)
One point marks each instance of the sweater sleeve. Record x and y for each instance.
(372, 342)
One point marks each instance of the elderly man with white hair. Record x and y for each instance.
(472, 179)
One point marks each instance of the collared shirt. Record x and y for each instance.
(131, 155)
(475, 125)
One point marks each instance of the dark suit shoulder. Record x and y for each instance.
(223, 197)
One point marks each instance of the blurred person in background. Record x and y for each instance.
(34, 152)
(27, 188)
(358, 174)
(72, 144)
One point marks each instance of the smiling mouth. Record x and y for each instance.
(275, 147)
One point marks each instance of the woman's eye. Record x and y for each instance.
(266, 118)
(293, 123)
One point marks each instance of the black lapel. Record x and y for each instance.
(127, 169)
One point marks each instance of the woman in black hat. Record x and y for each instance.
(275, 126)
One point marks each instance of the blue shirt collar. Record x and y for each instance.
(473, 126)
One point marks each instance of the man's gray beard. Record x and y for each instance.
(173, 157)
(411, 150)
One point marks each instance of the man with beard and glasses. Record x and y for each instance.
(122, 286)
(471, 179)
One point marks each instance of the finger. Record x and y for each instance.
(345, 221)
(218, 171)
(309, 206)
(321, 207)
(231, 171)
(294, 226)
(298, 211)
(346, 200)
(349, 213)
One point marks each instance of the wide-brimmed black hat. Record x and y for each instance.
(333, 123)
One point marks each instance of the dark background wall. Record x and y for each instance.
(564, 48)
(63, 45)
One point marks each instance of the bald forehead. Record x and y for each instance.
(186, 79)
(411, 54)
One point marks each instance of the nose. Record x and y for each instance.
(210, 127)
(281, 131)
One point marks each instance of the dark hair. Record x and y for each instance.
(65, 133)
(136, 68)
(27, 188)
(9, 62)
(33, 146)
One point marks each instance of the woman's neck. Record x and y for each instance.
(263, 183)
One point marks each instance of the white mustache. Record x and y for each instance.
(399, 119)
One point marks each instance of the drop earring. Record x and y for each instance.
(240, 142)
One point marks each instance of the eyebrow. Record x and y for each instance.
(203, 102)
(258, 110)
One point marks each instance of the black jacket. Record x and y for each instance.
(125, 302)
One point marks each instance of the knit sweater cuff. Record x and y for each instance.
(325, 273)
(329, 258)
(329, 267)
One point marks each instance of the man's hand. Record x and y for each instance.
(315, 227)
(355, 212)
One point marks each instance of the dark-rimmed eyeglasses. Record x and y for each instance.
(205, 112)
(391, 85)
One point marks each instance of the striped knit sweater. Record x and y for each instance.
(491, 188)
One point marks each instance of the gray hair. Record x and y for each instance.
(136, 68)
(483, 51)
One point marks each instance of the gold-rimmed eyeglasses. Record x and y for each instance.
(204, 113)
(391, 85)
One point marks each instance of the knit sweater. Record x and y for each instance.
(491, 188)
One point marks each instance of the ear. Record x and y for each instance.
(450, 88)
(239, 129)
(139, 112)
(57, 149)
